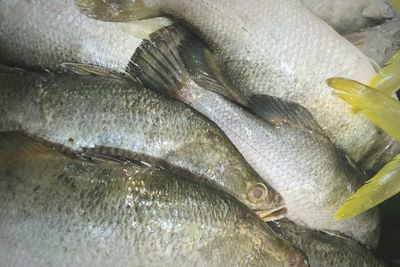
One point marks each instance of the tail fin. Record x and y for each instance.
(172, 57)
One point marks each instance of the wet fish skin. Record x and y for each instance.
(60, 210)
(44, 34)
(324, 249)
(279, 48)
(279, 139)
(86, 114)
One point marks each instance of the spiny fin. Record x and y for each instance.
(382, 110)
(387, 80)
(171, 58)
(86, 69)
(383, 185)
(14, 145)
(118, 10)
(280, 112)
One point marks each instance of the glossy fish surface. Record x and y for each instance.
(98, 115)
(57, 209)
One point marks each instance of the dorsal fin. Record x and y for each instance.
(280, 112)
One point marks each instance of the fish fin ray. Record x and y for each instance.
(87, 69)
(171, 57)
(118, 10)
(277, 112)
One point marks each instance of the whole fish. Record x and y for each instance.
(278, 48)
(44, 34)
(348, 16)
(326, 250)
(112, 116)
(59, 210)
(280, 139)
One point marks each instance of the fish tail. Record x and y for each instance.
(382, 186)
(387, 80)
(172, 58)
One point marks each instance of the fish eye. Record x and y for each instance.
(257, 193)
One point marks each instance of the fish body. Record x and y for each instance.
(44, 34)
(351, 16)
(57, 210)
(280, 139)
(279, 48)
(98, 115)
(323, 249)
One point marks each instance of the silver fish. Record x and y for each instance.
(282, 141)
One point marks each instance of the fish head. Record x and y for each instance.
(267, 203)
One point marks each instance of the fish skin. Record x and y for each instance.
(323, 249)
(281, 48)
(60, 210)
(297, 162)
(44, 34)
(348, 16)
(283, 143)
(85, 113)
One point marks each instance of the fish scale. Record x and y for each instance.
(59, 210)
(100, 115)
(282, 49)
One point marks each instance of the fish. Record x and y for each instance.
(351, 16)
(39, 34)
(279, 139)
(59, 209)
(278, 48)
(89, 114)
(323, 249)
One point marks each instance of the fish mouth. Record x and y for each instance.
(272, 214)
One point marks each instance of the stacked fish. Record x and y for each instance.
(130, 139)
